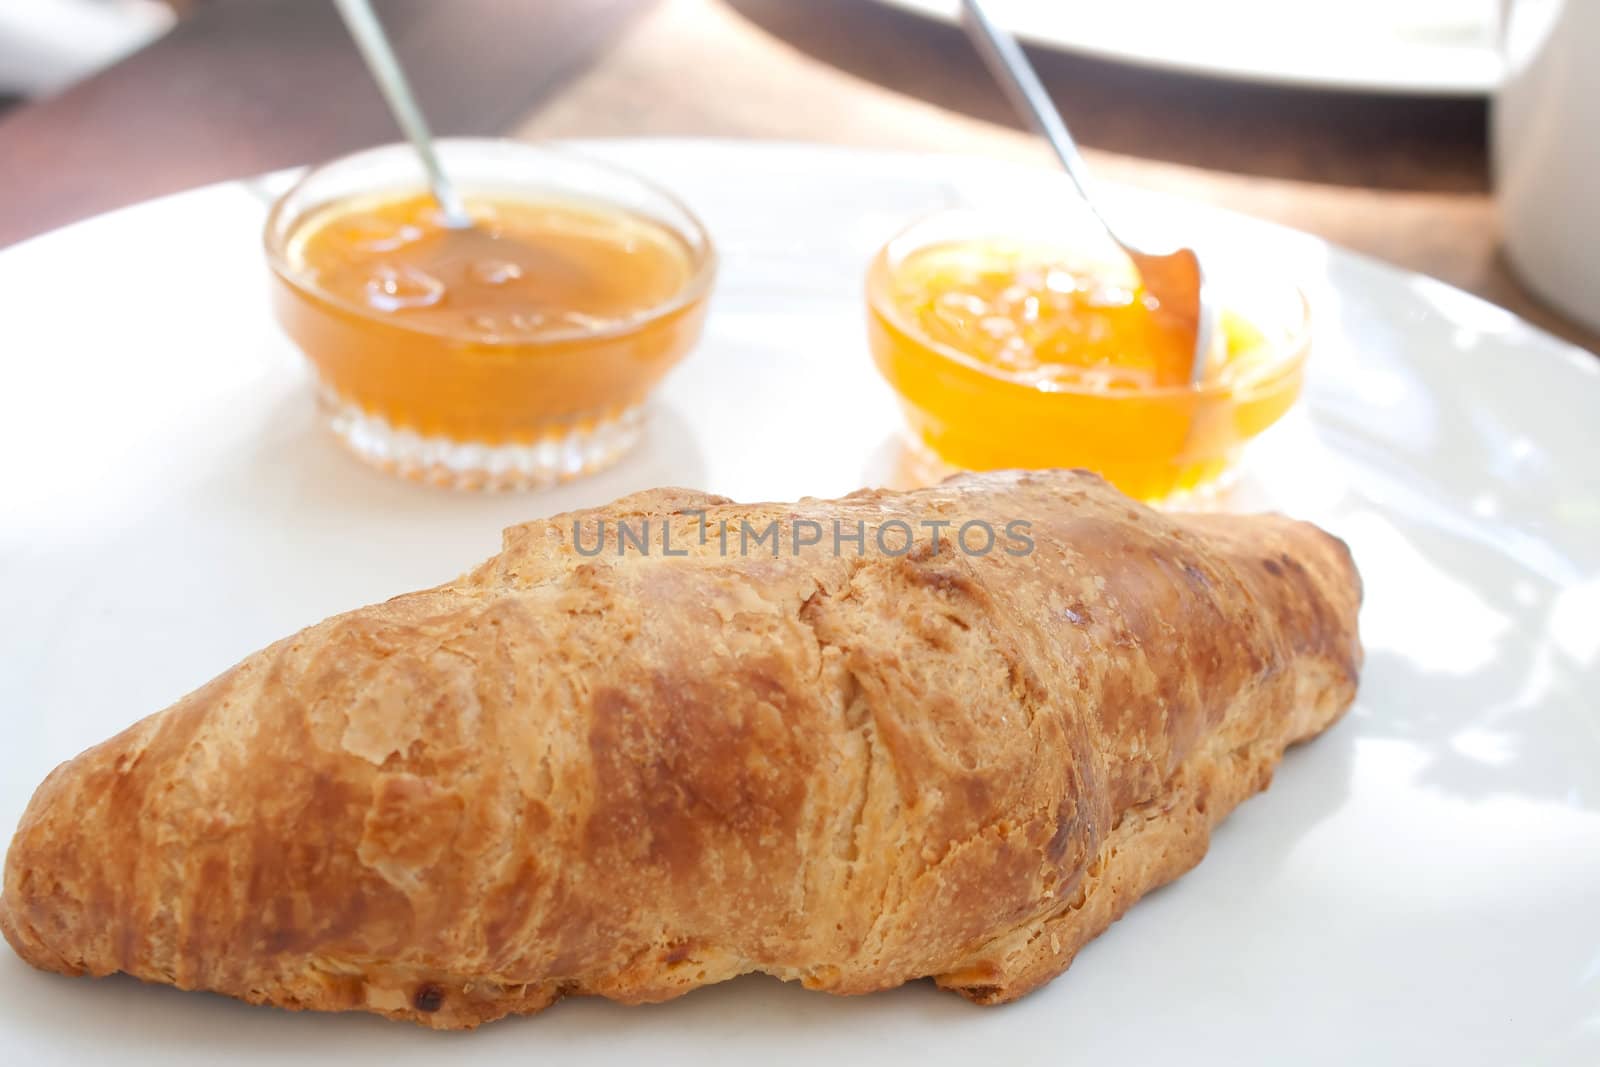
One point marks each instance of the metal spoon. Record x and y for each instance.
(374, 46)
(1173, 277)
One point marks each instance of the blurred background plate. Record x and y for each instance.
(1416, 47)
(1418, 886)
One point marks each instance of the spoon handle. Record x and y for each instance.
(1015, 74)
(374, 46)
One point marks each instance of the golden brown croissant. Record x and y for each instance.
(578, 772)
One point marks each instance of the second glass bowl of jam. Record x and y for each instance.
(1012, 344)
(518, 352)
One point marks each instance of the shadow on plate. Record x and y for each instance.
(83, 1020)
(895, 464)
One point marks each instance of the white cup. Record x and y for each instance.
(1545, 132)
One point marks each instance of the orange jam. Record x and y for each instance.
(545, 316)
(1014, 354)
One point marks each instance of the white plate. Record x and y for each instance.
(1415, 47)
(1422, 884)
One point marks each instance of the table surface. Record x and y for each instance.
(246, 85)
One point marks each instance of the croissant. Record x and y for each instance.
(662, 743)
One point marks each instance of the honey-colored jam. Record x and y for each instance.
(1014, 354)
(542, 314)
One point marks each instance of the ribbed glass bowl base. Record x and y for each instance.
(582, 446)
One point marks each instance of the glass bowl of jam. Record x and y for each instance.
(517, 352)
(1015, 344)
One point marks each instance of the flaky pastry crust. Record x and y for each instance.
(633, 775)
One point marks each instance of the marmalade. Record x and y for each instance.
(1012, 354)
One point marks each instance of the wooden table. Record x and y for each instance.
(1404, 180)
(243, 86)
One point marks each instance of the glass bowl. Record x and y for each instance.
(465, 404)
(1157, 443)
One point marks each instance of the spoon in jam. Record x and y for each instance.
(1173, 277)
(479, 247)
(379, 55)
